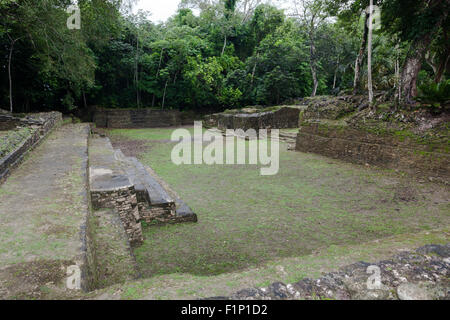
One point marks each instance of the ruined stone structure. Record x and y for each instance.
(334, 127)
(124, 184)
(141, 118)
(419, 275)
(37, 125)
(284, 117)
(384, 150)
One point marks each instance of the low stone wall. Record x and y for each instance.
(152, 214)
(285, 117)
(141, 118)
(384, 149)
(40, 125)
(124, 201)
(110, 187)
(419, 275)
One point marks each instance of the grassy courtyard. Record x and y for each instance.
(247, 220)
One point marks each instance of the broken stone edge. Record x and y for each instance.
(422, 274)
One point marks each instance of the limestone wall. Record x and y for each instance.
(40, 125)
(285, 117)
(124, 201)
(141, 118)
(110, 187)
(384, 149)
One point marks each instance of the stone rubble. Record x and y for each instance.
(419, 275)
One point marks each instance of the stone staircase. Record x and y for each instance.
(125, 184)
(155, 203)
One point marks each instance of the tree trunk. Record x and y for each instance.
(254, 68)
(160, 61)
(84, 100)
(413, 63)
(360, 57)
(224, 45)
(444, 60)
(397, 76)
(312, 62)
(336, 72)
(369, 55)
(442, 67)
(9, 75)
(157, 73)
(164, 95)
(137, 73)
(412, 67)
(430, 59)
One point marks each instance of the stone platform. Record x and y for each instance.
(44, 212)
(281, 118)
(124, 184)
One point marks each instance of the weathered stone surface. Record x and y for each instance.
(420, 275)
(110, 187)
(123, 183)
(39, 126)
(332, 108)
(284, 117)
(48, 208)
(412, 291)
(141, 118)
(155, 205)
(413, 141)
(384, 150)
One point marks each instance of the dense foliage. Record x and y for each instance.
(233, 53)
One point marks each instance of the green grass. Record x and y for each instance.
(247, 220)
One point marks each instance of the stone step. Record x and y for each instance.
(152, 190)
(111, 188)
(145, 185)
(125, 184)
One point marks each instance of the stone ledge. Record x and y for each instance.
(141, 118)
(419, 275)
(285, 117)
(44, 123)
(156, 205)
(386, 151)
(122, 183)
(110, 188)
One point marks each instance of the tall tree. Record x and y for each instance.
(369, 53)
(312, 14)
(361, 54)
(416, 21)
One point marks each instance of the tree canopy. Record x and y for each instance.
(214, 54)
